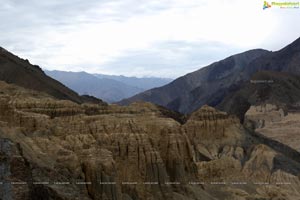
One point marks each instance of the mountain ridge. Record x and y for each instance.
(19, 71)
(173, 95)
(144, 83)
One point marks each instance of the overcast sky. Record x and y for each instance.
(165, 38)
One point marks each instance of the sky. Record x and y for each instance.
(143, 38)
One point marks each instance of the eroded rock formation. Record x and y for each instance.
(275, 122)
(63, 150)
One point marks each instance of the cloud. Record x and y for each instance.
(168, 59)
(134, 37)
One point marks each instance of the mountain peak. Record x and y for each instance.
(208, 112)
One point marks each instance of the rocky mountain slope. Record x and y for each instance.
(279, 88)
(20, 72)
(211, 84)
(284, 60)
(205, 86)
(57, 149)
(270, 104)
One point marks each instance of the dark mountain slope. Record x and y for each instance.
(279, 88)
(205, 86)
(282, 67)
(285, 60)
(211, 84)
(20, 72)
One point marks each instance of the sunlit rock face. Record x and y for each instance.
(62, 150)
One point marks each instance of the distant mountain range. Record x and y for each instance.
(142, 83)
(110, 88)
(212, 84)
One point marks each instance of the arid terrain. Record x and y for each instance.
(272, 122)
(57, 149)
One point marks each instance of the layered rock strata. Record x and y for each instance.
(56, 149)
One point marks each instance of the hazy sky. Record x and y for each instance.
(165, 38)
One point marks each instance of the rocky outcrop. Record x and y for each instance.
(265, 87)
(63, 150)
(276, 123)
